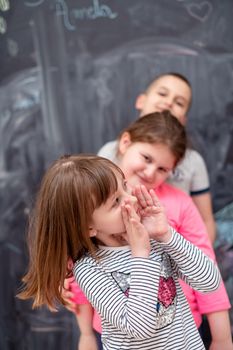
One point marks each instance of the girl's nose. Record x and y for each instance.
(150, 173)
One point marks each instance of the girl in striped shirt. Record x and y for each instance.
(127, 259)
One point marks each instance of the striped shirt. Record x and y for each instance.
(140, 300)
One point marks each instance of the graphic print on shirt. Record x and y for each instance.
(167, 298)
(166, 305)
(123, 281)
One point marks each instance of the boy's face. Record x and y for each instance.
(167, 92)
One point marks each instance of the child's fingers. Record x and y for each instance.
(125, 215)
(154, 198)
(128, 212)
(129, 216)
(140, 196)
(143, 196)
(132, 212)
(130, 208)
(151, 210)
(137, 230)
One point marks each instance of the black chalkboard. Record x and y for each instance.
(70, 71)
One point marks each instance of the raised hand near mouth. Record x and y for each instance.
(136, 234)
(152, 214)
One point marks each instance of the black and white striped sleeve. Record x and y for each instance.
(192, 265)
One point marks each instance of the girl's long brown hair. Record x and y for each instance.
(59, 227)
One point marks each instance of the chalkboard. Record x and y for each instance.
(70, 71)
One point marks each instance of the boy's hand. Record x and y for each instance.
(152, 214)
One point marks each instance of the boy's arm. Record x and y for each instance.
(220, 330)
(204, 205)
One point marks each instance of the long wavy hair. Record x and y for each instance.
(72, 188)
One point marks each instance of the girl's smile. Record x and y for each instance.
(146, 164)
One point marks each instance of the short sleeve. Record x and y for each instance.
(108, 150)
(200, 179)
(191, 175)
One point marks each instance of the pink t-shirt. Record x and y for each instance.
(183, 215)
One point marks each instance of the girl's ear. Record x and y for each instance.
(92, 232)
(124, 143)
(140, 101)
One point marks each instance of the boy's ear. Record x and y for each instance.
(124, 143)
(140, 101)
(92, 232)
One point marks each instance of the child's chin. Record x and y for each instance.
(120, 238)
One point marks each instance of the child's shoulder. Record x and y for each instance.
(108, 150)
(193, 157)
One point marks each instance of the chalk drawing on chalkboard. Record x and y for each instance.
(3, 25)
(33, 3)
(201, 11)
(12, 47)
(4, 5)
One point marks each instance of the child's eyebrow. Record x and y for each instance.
(182, 97)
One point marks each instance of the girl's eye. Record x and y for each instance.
(116, 202)
(147, 159)
(125, 186)
(163, 170)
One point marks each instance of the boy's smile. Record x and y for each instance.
(166, 93)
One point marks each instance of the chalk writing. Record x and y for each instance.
(69, 16)
(97, 10)
(62, 10)
(94, 12)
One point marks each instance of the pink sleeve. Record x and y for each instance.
(193, 229)
(79, 296)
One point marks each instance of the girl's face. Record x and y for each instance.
(167, 92)
(107, 223)
(145, 163)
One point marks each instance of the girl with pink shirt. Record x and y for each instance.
(147, 151)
